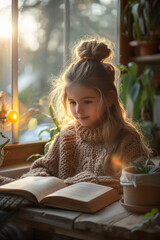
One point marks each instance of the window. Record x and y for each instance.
(46, 32)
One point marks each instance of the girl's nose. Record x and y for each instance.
(78, 108)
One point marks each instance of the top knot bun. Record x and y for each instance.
(93, 50)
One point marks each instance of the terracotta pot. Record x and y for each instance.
(143, 48)
(140, 189)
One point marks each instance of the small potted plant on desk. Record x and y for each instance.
(141, 187)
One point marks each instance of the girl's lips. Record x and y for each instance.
(83, 118)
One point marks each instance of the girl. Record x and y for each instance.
(97, 139)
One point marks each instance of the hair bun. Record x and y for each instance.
(93, 50)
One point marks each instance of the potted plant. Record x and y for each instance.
(141, 90)
(141, 25)
(141, 186)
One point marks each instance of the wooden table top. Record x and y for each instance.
(114, 222)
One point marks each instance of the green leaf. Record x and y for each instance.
(47, 146)
(122, 68)
(141, 26)
(151, 213)
(137, 108)
(135, 91)
(53, 132)
(37, 155)
(146, 19)
(135, 11)
(44, 130)
(141, 168)
(51, 112)
(137, 30)
(42, 115)
(147, 161)
(7, 141)
(133, 68)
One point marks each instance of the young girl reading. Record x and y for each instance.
(97, 139)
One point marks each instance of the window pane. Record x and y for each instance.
(41, 46)
(40, 57)
(93, 18)
(5, 90)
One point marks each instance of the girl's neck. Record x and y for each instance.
(90, 134)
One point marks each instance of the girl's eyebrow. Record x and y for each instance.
(70, 99)
(87, 97)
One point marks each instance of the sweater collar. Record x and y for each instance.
(90, 134)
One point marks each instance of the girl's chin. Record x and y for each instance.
(91, 125)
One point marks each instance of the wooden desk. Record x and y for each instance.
(113, 222)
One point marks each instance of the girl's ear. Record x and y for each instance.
(111, 98)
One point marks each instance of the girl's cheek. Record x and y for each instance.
(72, 110)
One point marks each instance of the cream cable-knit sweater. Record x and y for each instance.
(78, 154)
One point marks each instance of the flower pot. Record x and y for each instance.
(140, 189)
(143, 48)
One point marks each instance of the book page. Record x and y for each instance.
(38, 186)
(83, 191)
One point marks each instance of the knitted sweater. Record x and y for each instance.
(78, 154)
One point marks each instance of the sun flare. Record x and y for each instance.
(5, 27)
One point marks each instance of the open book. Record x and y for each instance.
(53, 192)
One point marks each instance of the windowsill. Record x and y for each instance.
(15, 171)
(18, 153)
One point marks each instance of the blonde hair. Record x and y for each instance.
(90, 68)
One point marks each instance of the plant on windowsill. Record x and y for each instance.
(141, 25)
(141, 90)
(52, 131)
(2, 155)
(139, 181)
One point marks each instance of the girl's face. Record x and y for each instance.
(86, 105)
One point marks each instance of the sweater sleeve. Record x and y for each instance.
(5, 180)
(87, 176)
(48, 164)
(44, 166)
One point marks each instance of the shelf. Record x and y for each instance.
(146, 59)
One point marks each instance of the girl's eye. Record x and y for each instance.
(72, 102)
(88, 102)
